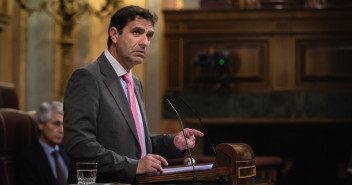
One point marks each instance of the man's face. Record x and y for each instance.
(52, 132)
(132, 43)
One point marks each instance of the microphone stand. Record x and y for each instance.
(184, 135)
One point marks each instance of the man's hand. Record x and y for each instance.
(179, 140)
(151, 164)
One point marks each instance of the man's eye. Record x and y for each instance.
(150, 36)
(136, 32)
(57, 123)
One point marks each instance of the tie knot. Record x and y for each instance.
(127, 77)
(55, 153)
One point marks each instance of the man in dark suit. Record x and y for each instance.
(105, 117)
(46, 161)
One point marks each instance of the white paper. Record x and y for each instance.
(187, 168)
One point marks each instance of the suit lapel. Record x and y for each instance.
(114, 86)
(44, 164)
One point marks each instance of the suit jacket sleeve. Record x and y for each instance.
(164, 145)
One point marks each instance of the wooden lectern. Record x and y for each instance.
(234, 162)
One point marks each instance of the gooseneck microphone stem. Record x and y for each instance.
(184, 135)
(204, 129)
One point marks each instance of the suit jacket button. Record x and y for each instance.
(138, 155)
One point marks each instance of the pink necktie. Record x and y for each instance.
(128, 79)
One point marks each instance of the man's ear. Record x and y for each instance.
(40, 126)
(114, 34)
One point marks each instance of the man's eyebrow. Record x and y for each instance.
(138, 28)
(142, 29)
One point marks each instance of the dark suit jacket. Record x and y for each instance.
(99, 125)
(32, 166)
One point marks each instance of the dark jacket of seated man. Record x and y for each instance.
(46, 161)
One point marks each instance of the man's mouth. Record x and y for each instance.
(140, 52)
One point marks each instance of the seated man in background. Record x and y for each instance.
(45, 162)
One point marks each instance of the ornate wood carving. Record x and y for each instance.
(4, 14)
(3, 21)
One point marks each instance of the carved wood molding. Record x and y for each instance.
(3, 21)
(305, 21)
(4, 13)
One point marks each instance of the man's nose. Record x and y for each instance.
(61, 128)
(144, 41)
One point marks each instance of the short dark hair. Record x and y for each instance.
(127, 14)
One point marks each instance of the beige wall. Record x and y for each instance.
(6, 67)
(6, 37)
(90, 35)
(12, 47)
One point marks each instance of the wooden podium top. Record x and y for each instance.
(234, 163)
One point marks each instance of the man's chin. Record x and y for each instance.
(59, 141)
(139, 58)
(140, 61)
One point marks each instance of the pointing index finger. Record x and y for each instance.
(191, 132)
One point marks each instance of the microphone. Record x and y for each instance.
(204, 129)
(184, 135)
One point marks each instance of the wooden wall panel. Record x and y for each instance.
(282, 65)
(247, 63)
(270, 50)
(289, 80)
(324, 63)
(173, 64)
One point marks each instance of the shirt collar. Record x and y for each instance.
(48, 149)
(115, 64)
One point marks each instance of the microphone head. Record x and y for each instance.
(188, 161)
